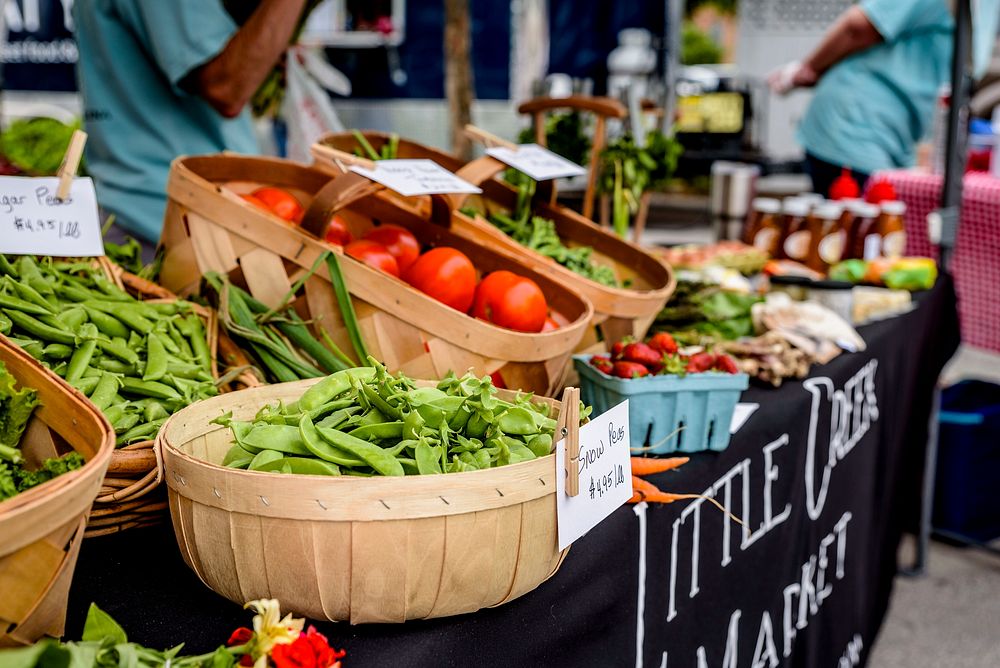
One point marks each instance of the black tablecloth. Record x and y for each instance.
(826, 474)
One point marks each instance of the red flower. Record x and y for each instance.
(241, 636)
(246, 660)
(310, 650)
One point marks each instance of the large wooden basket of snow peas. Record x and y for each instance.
(135, 359)
(366, 496)
(54, 449)
(414, 317)
(627, 285)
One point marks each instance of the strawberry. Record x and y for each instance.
(629, 370)
(674, 365)
(617, 349)
(663, 342)
(700, 362)
(602, 363)
(726, 364)
(641, 353)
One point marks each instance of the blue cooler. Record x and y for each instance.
(967, 489)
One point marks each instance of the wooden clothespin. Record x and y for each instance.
(487, 139)
(342, 159)
(568, 427)
(70, 163)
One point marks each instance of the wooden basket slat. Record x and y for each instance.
(366, 549)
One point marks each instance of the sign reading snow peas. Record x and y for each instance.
(605, 475)
(33, 221)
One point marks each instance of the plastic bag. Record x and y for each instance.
(307, 108)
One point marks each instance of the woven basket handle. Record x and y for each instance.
(347, 189)
(482, 170)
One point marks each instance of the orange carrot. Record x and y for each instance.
(643, 490)
(649, 465)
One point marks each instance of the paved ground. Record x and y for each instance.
(948, 618)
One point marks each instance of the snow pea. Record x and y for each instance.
(264, 457)
(59, 351)
(331, 387)
(108, 325)
(319, 446)
(104, 393)
(148, 388)
(301, 466)
(80, 360)
(282, 438)
(237, 458)
(428, 458)
(118, 349)
(379, 431)
(39, 329)
(517, 420)
(156, 359)
(372, 455)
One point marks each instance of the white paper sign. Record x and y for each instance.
(605, 475)
(34, 222)
(538, 162)
(416, 177)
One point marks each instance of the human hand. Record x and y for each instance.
(795, 74)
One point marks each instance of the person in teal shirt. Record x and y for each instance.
(877, 73)
(163, 78)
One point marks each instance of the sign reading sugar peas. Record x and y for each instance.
(604, 472)
(536, 161)
(416, 177)
(34, 221)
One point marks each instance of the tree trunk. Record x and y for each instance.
(458, 74)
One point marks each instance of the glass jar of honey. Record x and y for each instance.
(892, 229)
(795, 226)
(763, 229)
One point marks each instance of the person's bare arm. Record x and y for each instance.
(228, 81)
(851, 33)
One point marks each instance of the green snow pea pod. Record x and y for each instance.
(302, 466)
(156, 359)
(104, 393)
(128, 313)
(23, 305)
(116, 412)
(59, 351)
(186, 370)
(5, 324)
(372, 455)
(148, 388)
(337, 418)
(126, 422)
(517, 420)
(376, 400)
(39, 329)
(108, 325)
(331, 387)
(280, 437)
(318, 445)
(154, 410)
(86, 384)
(412, 424)
(237, 458)
(428, 458)
(116, 366)
(142, 432)
(382, 430)
(373, 416)
(540, 444)
(72, 318)
(264, 457)
(409, 466)
(477, 425)
(80, 360)
(118, 349)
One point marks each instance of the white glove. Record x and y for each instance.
(789, 76)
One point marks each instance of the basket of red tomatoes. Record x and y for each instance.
(427, 301)
(679, 401)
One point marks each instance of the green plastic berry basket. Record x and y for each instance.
(668, 413)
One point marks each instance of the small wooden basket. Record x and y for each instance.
(208, 227)
(41, 529)
(618, 312)
(131, 496)
(355, 549)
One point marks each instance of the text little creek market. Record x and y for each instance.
(853, 410)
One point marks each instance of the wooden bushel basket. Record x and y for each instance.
(131, 496)
(354, 549)
(41, 529)
(209, 228)
(618, 312)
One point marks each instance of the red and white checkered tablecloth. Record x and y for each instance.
(976, 260)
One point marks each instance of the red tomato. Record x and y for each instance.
(550, 325)
(255, 201)
(445, 274)
(283, 204)
(399, 241)
(511, 301)
(337, 232)
(374, 255)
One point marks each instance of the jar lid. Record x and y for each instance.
(766, 205)
(828, 210)
(863, 209)
(794, 206)
(894, 207)
(811, 198)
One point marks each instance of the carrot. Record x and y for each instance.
(649, 465)
(643, 490)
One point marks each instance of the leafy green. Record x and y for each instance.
(628, 170)
(697, 310)
(697, 47)
(565, 135)
(36, 145)
(16, 406)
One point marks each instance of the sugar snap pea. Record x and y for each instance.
(39, 329)
(18, 304)
(80, 360)
(104, 393)
(59, 351)
(148, 388)
(156, 358)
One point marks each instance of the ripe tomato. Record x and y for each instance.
(283, 204)
(399, 241)
(511, 301)
(550, 324)
(337, 232)
(445, 274)
(373, 254)
(256, 201)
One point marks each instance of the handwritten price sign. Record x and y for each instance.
(33, 221)
(416, 177)
(538, 162)
(605, 475)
